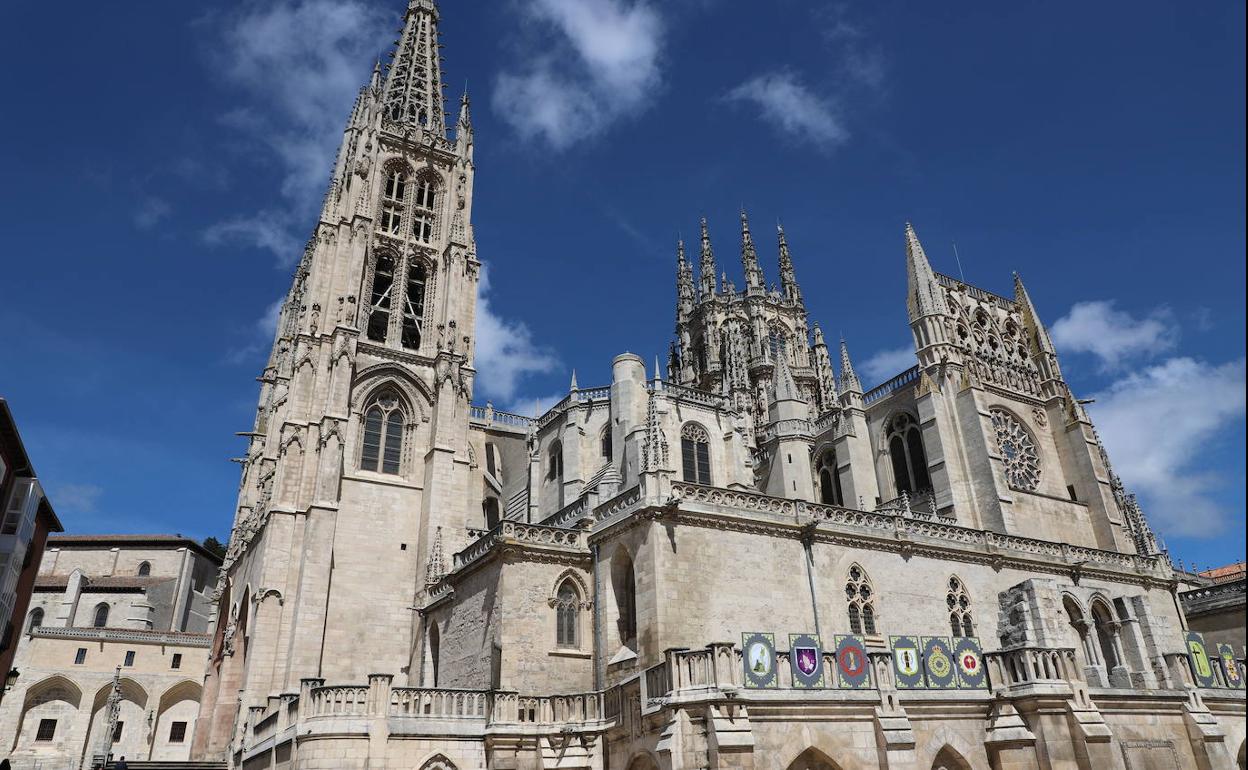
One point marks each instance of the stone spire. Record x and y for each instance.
(436, 567)
(413, 90)
(654, 452)
(706, 268)
(1035, 330)
(923, 294)
(754, 280)
(823, 372)
(788, 277)
(785, 387)
(463, 127)
(684, 283)
(849, 379)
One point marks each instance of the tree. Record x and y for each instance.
(214, 546)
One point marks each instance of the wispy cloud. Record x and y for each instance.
(586, 65)
(1114, 336)
(301, 63)
(506, 352)
(792, 108)
(1158, 423)
(258, 335)
(151, 212)
(887, 363)
(75, 498)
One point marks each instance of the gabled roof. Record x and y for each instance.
(132, 541)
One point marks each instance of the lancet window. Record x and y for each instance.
(959, 603)
(380, 297)
(860, 597)
(905, 449)
(568, 616)
(695, 453)
(414, 305)
(36, 619)
(554, 463)
(391, 220)
(423, 213)
(830, 491)
(382, 447)
(101, 615)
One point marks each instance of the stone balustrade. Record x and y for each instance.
(1028, 666)
(508, 531)
(578, 708)
(435, 703)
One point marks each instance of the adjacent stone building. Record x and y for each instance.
(111, 653)
(416, 582)
(1217, 609)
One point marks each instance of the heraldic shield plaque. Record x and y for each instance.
(1230, 667)
(806, 660)
(970, 663)
(907, 662)
(938, 663)
(758, 657)
(1202, 666)
(853, 667)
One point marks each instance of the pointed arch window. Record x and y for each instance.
(145, 569)
(830, 492)
(554, 463)
(36, 619)
(101, 615)
(414, 305)
(905, 450)
(860, 597)
(695, 453)
(624, 583)
(605, 443)
(423, 214)
(568, 616)
(382, 447)
(489, 510)
(961, 623)
(391, 220)
(379, 297)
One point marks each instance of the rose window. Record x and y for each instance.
(1018, 451)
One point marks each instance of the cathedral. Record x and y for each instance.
(742, 557)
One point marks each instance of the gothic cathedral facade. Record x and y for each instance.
(752, 561)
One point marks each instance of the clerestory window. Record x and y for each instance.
(905, 450)
(383, 435)
(830, 492)
(695, 453)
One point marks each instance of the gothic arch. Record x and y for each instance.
(438, 761)
(643, 761)
(949, 758)
(812, 759)
(577, 581)
(864, 617)
(53, 688)
(371, 380)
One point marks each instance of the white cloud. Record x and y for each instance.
(505, 353)
(589, 64)
(784, 101)
(887, 363)
(260, 335)
(302, 62)
(1114, 336)
(266, 230)
(1158, 426)
(75, 498)
(151, 212)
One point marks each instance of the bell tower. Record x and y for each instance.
(353, 482)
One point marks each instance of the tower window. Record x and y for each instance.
(695, 453)
(391, 220)
(830, 492)
(860, 596)
(425, 194)
(383, 435)
(905, 449)
(414, 306)
(379, 302)
(422, 227)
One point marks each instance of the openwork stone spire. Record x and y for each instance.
(923, 295)
(413, 90)
(823, 371)
(654, 454)
(684, 283)
(754, 279)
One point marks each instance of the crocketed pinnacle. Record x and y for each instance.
(849, 378)
(788, 276)
(754, 279)
(706, 268)
(923, 294)
(684, 282)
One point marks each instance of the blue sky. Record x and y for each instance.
(165, 165)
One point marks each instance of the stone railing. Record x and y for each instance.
(692, 395)
(880, 391)
(136, 635)
(733, 498)
(975, 292)
(338, 700)
(519, 532)
(513, 708)
(569, 514)
(622, 502)
(435, 703)
(1028, 666)
(488, 415)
